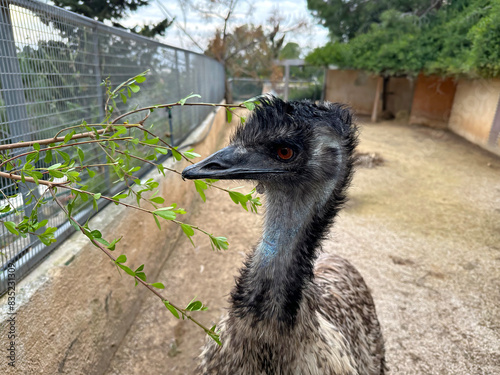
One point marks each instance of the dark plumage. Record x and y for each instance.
(291, 311)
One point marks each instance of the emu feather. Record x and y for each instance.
(294, 311)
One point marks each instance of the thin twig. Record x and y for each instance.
(62, 146)
(56, 139)
(108, 253)
(153, 107)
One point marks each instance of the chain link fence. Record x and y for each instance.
(52, 63)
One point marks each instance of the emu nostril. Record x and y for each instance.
(213, 166)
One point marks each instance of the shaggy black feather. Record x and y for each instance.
(276, 122)
(291, 312)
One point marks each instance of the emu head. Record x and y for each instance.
(287, 145)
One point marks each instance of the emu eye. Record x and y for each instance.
(285, 153)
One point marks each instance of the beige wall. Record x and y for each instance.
(357, 89)
(353, 87)
(77, 308)
(474, 108)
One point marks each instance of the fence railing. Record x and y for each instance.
(52, 63)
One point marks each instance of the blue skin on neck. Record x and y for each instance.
(268, 249)
(272, 242)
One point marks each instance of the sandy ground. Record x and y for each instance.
(424, 230)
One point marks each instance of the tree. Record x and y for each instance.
(346, 19)
(245, 50)
(114, 10)
(290, 51)
(456, 38)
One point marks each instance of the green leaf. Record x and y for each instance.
(124, 98)
(113, 243)
(50, 230)
(163, 151)
(158, 285)
(238, 197)
(140, 79)
(176, 154)
(96, 234)
(36, 146)
(56, 174)
(81, 155)
(141, 275)
(119, 196)
(183, 101)
(42, 224)
(158, 200)
(121, 259)
(229, 115)
(54, 166)
(249, 105)
(140, 268)
(65, 156)
(151, 141)
(11, 227)
(97, 196)
(219, 242)
(190, 154)
(200, 187)
(157, 222)
(102, 241)
(194, 306)
(5, 209)
(188, 230)
(32, 157)
(68, 136)
(172, 309)
(214, 337)
(126, 269)
(134, 87)
(48, 156)
(91, 173)
(165, 214)
(74, 224)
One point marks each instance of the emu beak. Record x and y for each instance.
(230, 163)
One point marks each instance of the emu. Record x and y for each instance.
(294, 311)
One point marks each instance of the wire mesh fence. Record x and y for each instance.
(52, 63)
(244, 88)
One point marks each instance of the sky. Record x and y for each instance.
(257, 12)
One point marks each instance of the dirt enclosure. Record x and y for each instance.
(422, 226)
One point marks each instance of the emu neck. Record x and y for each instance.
(273, 281)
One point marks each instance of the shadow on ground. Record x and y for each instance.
(422, 226)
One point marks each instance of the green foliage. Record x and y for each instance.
(290, 51)
(346, 19)
(459, 38)
(485, 39)
(57, 164)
